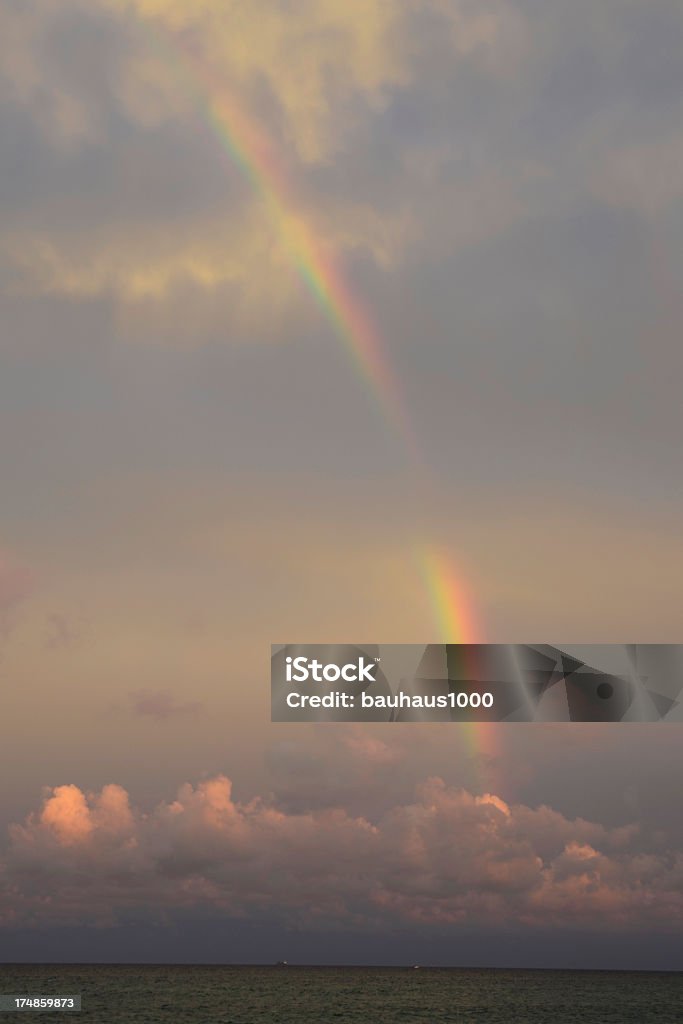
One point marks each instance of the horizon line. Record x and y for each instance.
(323, 966)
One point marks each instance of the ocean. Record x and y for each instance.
(118, 994)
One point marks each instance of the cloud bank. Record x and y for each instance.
(445, 859)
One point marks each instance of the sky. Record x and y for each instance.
(291, 293)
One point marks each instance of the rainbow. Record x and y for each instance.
(253, 154)
(451, 609)
(451, 606)
(317, 267)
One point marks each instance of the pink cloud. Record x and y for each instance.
(70, 818)
(368, 748)
(66, 813)
(445, 857)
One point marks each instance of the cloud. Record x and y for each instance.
(642, 177)
(445, 857)
(16, 583)
(62, 112)
(70, 819)
(409, 134)
(313, 69)
(62, 631)
(318, 67)
(181, 279)
(309, 80)
(161, 705)
(370, 749)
